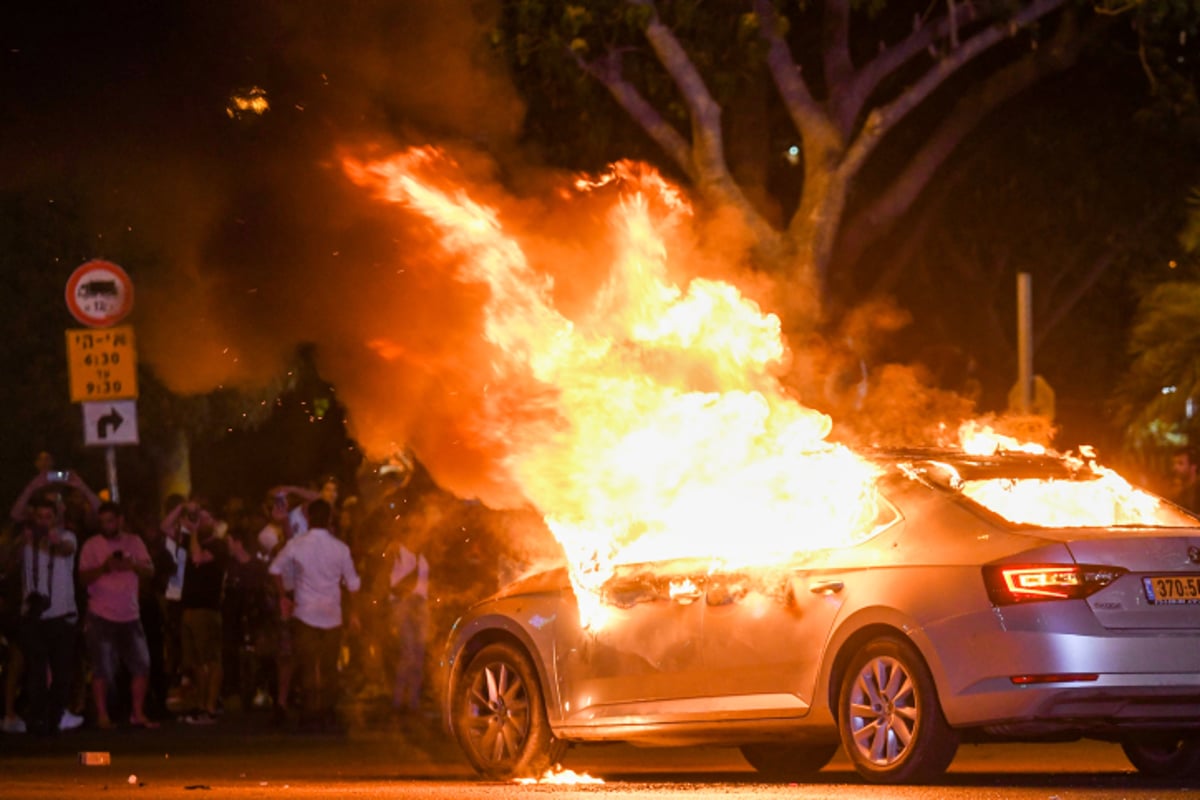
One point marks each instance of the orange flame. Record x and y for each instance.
(247, 101)
(979, 439)
(669, 434)
(1094, 495)
(558, 775)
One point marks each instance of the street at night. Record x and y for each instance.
(470, 398)
(417, 761)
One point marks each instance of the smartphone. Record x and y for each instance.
(57, 475)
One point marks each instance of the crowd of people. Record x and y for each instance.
(114, 617)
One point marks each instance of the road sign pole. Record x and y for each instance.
(110, 463)
(1025, 342)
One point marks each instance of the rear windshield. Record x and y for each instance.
(1057, 495)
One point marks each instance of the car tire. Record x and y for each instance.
(889, 717)
(499, 715)
(1169, 758)
(788, 762)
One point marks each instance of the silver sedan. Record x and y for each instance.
(949, 619)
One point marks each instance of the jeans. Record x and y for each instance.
(111, 644)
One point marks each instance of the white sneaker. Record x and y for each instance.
(13, 725)
(69, 721)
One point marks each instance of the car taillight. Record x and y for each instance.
(1022, 583)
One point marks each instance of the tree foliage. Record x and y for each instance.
(723, 88)
(1157, 399)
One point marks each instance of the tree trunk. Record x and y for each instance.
(812, 230)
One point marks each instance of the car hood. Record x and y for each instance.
(550, 580)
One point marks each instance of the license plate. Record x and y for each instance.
(1169, 589)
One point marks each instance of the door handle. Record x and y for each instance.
(827, 587)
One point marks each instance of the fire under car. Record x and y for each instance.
(992, 598)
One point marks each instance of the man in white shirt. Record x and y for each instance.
(49, 615)
(320, 565)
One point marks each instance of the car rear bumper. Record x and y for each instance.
(1058, 669)
(1110, 712)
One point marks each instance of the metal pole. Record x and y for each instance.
(110, 462)
(1025, 341)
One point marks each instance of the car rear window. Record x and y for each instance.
(1055, 494)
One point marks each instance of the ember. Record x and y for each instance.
(247, 101)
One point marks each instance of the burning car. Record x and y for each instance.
(997, 597)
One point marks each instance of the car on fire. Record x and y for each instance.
(944, 622)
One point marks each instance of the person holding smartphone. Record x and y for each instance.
(110, 565)
(48, 615)
(53, 483)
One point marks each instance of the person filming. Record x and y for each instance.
(110, 565)
(48, 615)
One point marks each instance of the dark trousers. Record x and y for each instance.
(49, 646)
(316, 659)
(153, 623)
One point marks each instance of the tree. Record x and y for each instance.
(852, 80)
(1157, 398)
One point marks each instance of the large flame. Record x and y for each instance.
(660, 429)
(1088, 495)
(977, 438)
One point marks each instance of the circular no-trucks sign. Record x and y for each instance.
(99, 294)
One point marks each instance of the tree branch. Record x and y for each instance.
(888, 61)
(708, 166)
(1097, 268)
(807, 116)
(886, 117)
(869, 224)
(608, 71)
(835, 42)
(708, 147)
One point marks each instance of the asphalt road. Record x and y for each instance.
(243, 757)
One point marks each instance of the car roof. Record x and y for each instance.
(930, 461)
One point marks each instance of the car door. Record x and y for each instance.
(765, 629)
(764, 634)
(642, 660)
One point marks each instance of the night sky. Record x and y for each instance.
(121, 109)
(240, 231)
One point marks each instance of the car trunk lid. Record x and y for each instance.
(1161, 591)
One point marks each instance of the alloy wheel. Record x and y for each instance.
(883, 711)
(498, 712)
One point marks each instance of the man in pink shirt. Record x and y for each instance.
(110, 565)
